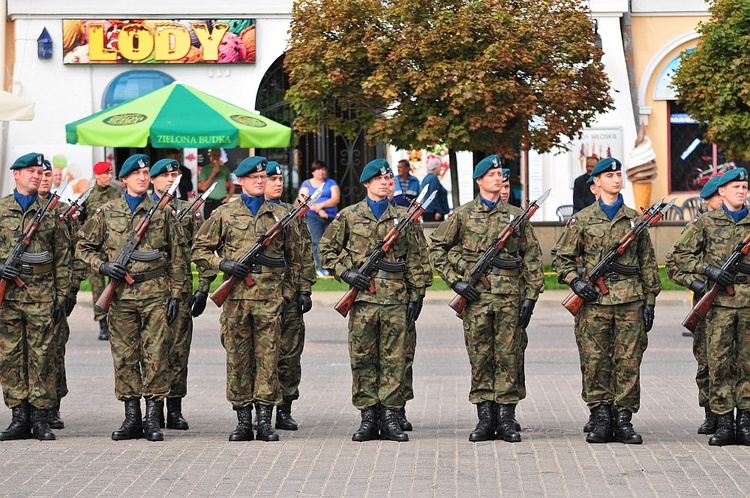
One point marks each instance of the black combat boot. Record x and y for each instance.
(55, 422)
(244, 430)
(710, 424)
(40, 427)
(20, 425)
(389, 426)
(743, 427)
(175, 420)
(506, 423)
(265, 430)
(153, 428)
(602, 432)
(725, 430)
(103, 330)
(369, 427)
(624, 431)
(284, 420)
(485, 429)
(589, 426)
(402, 420)
(132, 427)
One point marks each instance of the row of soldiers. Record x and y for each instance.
(150, 324)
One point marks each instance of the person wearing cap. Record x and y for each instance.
(163, 174)
(406, 186)
(495, 317)
(582, 194)
(215, 172)
(611, 330)
(697, 260)
(252, 315)
(103, 192)
(30, 313)
(505, 188)
(140, 314)
(292, 339)
(378, 322)
(711, 200)
(438, 209)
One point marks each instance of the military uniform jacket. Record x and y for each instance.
(189, 228)
(710, 240)
(98, 197)
(462, 239)
(351, 236)
(231, 231)
(301, 232)
(79, 268)
(47, 269)
(106, 232)
(589, 235)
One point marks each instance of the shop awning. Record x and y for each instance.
(14, 108)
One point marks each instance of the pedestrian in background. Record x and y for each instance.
(406, 187)
(322, 213)
(215, 171)
(582, 194)
(438, 209)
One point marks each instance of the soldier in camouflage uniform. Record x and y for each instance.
(140, 314)
(103, 192)
(293, 328)
(29, 313)
(378, 323)
(252, 316)
(494, 319)
(711, 200)
(612, 328)
(696, 258)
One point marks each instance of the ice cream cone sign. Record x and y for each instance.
(641, 168)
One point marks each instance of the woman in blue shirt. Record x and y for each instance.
(322, 213)
(437, 210)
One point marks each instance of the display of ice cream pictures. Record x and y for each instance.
(596, 142)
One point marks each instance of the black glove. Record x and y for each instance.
(356, 280)
(721, 277)
(198, 303)
(465, 289)
(304, 302)
(234, 268)
(8, 272)
(173, 306)
(698, 287)
(648, 316)
(524, 315)
(114, 271)
(284, 307)
(412, 311)
(420, 302)
(57, 313)
(71, 300)
(584, 289)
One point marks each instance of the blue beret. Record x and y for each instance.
(606, 164)
(273, 169)
(46, 165)
(164, 166)
(506, 175)
(733, 175)
(133, 163)
(486, 164)
(27, 160)
(375, 168)
(252, 164)
(711, 188)
(590, 181)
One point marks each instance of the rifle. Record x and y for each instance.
(72, 211)
(196, 205)
(651, 217)
(700, 310)
(105, 299)
(416, 208)
(24, 240)
(255, 253)
(479, 271)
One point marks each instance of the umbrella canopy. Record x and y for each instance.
(177, 116)
(14, 108)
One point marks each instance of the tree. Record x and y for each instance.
(713, 82)
(485, 75)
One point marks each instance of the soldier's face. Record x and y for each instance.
(162, 183)
(491, 183)
(253, 184)
(391, 188)
(105, 179)
(45, 184)
(734, 194)
(609, 182)
(714, 202)
(378, 187)
(137, 182)
(505, 191)
(28, 179)
(274, 187)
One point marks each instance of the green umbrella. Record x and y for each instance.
(177, 116)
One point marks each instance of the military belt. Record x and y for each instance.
(28, 269)
(505, 272)
(147, 275)
(616, 277)
(256, 268)
(390, 275)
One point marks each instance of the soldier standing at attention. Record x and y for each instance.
(251, 316)
(494, 319)
(30, 313)
(612, 327)
(140, 314)
(378, 323)
(103, 192)
(293, 327)
(697, 258)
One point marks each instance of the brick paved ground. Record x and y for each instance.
(321, 460)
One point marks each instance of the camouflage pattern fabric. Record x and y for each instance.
(494, 342)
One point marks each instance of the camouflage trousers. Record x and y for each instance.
(61, 336)
(411, 347)
(377, 345)
(27, 344)
(139, 339)
(97, 282)
(250, 334)
(613, 340)
(290, 353)
(495, 345)
(728, 353)
(699, 352)
(179, 350)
